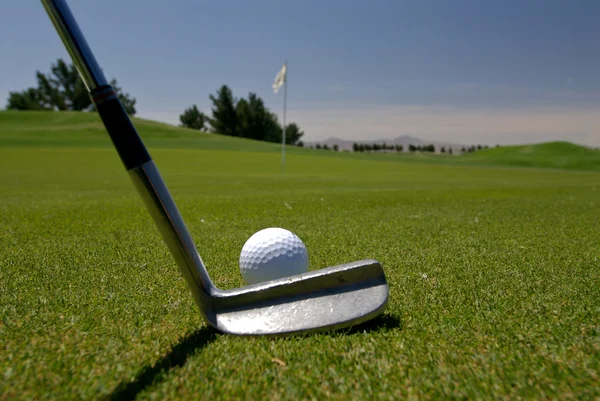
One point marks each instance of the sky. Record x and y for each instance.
(461, 71)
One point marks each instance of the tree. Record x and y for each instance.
(249, 118)
(62, 89)
(450, 151)
(255, 121)
(29, 99)
(355, 147)
(325, 147)
(224, 116)
(318, 146)
(412, 148)
(245, 120)
(293, 134)
(273, 130)
(193, 118)
(336, 148)
(126, 100)
(399, 148)
(300, 144)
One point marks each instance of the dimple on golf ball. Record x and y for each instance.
(272, 253)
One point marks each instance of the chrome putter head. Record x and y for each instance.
(326, 299)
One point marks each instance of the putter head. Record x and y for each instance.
(321, 300)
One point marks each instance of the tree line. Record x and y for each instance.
(360, 147)
(244, 118)
(62, 89)
(365, 147)
(377, 147)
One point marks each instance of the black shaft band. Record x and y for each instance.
(123, 134)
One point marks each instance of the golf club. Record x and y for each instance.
(326, 299)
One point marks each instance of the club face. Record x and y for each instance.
(326, 299)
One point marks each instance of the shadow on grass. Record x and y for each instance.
(380, 323)
(199, 339)
(176, 358)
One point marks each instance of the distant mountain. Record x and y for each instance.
(405, 141)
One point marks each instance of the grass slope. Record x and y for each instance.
(493, 276)
(551, 154)
(76, 129)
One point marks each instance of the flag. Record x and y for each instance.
(280, 78)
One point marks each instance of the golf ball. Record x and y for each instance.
(272, 253)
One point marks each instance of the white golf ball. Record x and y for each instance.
(272, 253)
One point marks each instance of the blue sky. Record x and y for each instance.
(452, 70)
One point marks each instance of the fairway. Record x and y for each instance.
(493, 272)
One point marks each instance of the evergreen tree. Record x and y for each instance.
(193, 118)
(224, 116)
(273, 130)
(293, 134)
(255, 121)
(62, 89)
(29, 99)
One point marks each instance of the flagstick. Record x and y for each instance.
(284, 110)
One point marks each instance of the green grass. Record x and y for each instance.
(493, 274)
(76, 129)
(551, 154)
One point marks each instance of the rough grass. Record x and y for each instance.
(493, 277)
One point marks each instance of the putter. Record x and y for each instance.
(327, 299)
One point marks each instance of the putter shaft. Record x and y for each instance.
(134, 155)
